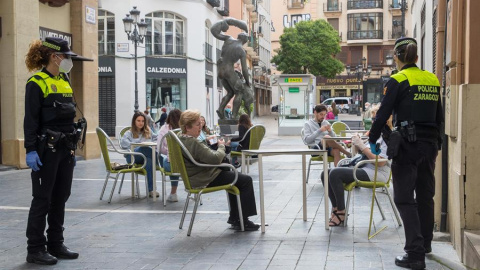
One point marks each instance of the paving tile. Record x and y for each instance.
(135, 233)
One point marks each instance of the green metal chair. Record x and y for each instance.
(120, 135)
(164, 175)
(374, 185)
(313, 159)
(257, 132)
(107, 145)
(177, 154)
(339, 128)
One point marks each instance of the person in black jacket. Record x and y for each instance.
(162, 119)
(50, 141)
(413, 95)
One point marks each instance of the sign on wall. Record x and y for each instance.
(90, 15)
(47, 32)
(294, 19)
(166, 67)
(122, 47)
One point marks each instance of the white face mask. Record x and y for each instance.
(65, 65)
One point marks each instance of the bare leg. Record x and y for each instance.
(336, 156)
(335, 145)
(174, 190)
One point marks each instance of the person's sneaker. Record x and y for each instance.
(62, 252)
(151, 194)
(172, 198)
(247, 224)
(405, 262)
(41, 257)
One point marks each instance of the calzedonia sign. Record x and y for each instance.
(166, 67)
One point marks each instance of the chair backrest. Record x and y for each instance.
(177, 163)
(120, 135)
(339, 127)
(257, 132)
(104, 141)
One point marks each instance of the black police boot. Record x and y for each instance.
(62, 252)
(405, 262)
(41, 257)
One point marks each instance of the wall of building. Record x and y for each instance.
(20, 25)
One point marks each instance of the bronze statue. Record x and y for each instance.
(232, 52)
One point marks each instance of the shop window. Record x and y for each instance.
(165, 34)
(166, 92)
(106, 33)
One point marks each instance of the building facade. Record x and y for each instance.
(22, 22)
(367, 30)
(176, 60)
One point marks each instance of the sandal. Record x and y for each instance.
(332, 223)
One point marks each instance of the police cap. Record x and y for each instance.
(404, 41)
(58, 45)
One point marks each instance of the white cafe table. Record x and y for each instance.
(153, 146)
(274, 152)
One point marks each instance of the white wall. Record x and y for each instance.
(195, 13)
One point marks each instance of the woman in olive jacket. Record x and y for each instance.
(211, 177)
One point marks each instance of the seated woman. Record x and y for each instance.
(244, 124)
(205, 133)
(172, 122)
(344, 175)
(190, 124)
(138, 133)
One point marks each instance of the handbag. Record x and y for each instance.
(117, 166)
(356, 159)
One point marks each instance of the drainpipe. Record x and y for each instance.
(444, 208)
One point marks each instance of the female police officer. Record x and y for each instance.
(414, 97)
(50, 145)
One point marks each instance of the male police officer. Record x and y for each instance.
(413, 95)
(50, 141)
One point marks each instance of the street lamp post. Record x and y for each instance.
(136, 36)
(360, 71)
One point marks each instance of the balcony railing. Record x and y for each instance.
(208, 51)
(394, 34)
(365, 34)
(364, 4)
(332, 7)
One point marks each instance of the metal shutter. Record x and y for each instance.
(106, 104)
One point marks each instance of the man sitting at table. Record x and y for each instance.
(317, 128)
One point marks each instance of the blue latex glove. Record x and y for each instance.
(33, 161)
(374, 148)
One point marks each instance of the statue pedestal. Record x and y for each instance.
(228, 126)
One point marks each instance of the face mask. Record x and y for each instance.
(65, 65)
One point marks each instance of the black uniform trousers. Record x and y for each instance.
(247, 194)
(414, 188)
(51, 187)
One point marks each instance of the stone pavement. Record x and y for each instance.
(142, 234)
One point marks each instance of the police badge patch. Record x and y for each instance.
(54, 88)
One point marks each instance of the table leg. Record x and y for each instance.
(243, 163)
(304, 186)
(325, 187)
(154, 169)
(262, 200)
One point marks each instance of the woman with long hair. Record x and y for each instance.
(138, 133)
(171, 123)
(244, 124)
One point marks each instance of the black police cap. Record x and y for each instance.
(58, 45)
(404, 41)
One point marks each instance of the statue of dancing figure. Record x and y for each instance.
(232, 52)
